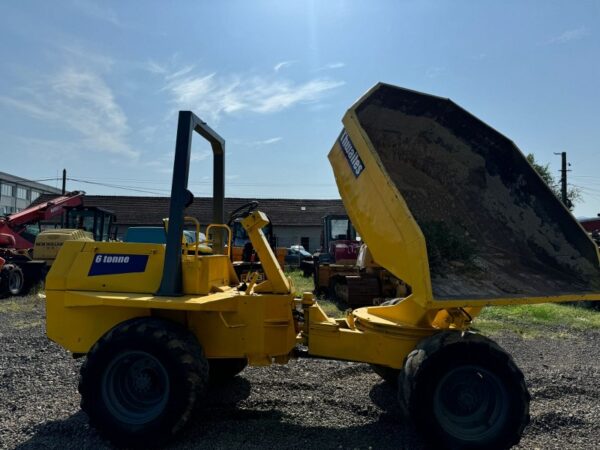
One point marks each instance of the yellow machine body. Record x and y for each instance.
(48, 242)
(94, 287)
(390, 228)
(86, 297)
(83, 302)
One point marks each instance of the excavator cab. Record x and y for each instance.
(97, 221)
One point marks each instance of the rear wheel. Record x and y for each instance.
(12, 281)
(338, 289)
(4, 271)
(463, 391)
(141, 380)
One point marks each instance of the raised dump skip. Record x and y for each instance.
(492, 226)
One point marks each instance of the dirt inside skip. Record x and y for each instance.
(516, 250)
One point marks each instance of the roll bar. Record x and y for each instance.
(171, 283)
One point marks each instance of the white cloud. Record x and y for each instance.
(570, 35)
(213, 96)
(270, 141)
(80, 101)
(180, 73)
(154, 67)
(258, 143)
(331, 66)
(335, 65)
(282, 65)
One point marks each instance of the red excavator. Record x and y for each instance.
(18, 225)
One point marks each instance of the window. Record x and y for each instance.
(339, 229)
(22, 193)
(7, 190)
(34, 195)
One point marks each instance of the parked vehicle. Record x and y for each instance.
(159, 326)
(296, 256)
(28, 251)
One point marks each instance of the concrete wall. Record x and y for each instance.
(292, 235)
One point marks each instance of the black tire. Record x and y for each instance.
(338, 289)
(388, 374)
(4, 271)
(16, 281)
(315, 275)
(222, 370)
(463, 391)
(140, 381)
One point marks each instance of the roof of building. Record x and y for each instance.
(131, 210)
(25, 182)
(591, 224)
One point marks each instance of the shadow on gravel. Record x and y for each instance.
(551, 421)
(73, 432)
(222, 423)
(385, 396)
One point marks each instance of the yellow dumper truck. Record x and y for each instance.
(445, 203)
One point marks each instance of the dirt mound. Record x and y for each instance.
(492, 226)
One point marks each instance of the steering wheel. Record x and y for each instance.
(242, 211)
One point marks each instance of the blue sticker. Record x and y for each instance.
(354, 160)
(113, 264)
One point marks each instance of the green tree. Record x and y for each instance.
(573, 193)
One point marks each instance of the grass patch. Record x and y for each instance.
(20, 304)
(547, 319)
(333, 309)
(301, 283)
(306, 284)
(24, 325)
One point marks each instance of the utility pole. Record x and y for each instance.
(563, 179)
(64, 184)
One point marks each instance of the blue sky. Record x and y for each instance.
(94, 86)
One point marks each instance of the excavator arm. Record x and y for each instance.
(14, 224)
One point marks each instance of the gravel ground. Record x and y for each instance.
(306, 404)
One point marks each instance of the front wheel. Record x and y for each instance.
(16, 281)
(463, 391)
(141, 380)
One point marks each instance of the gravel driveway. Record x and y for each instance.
(306, 404)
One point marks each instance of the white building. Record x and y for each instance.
(17, 193)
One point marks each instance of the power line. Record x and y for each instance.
(47, 179)
(209, 183)
(585, 188)
(586, 176)
(126, 188)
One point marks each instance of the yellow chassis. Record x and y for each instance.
(257, 324)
